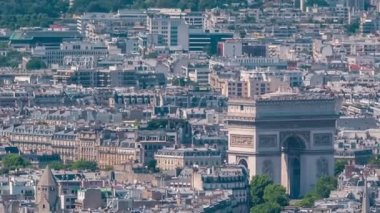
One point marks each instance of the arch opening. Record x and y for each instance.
(292, 148)
(244, 163)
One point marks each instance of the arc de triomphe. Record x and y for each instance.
(288, 137)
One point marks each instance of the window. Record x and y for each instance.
(241, 107)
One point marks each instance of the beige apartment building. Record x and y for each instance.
(110, 156)
(65, 143)
(90, 148)
(71, 145)
(32, 138)
(87, 147)
(246, 86)
(173, 158)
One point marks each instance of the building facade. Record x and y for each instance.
(110, 155)
(68, 51)
(64, 144)
(288, 137)
(173, 158)
(233, 177)
(171, 25)
(32, 138)
(87, 148)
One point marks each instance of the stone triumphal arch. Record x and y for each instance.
(288, 137)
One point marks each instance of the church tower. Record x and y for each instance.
(47, 193)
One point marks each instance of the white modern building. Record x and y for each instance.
(173, 25)
(54, 55)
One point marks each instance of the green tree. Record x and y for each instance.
(57, 165)
(108, 168)
(308, 200)
(322, 189)
(3, 45)
(183, 82)
(257, 187)
(81, 6)
(84, 165)
(374, 160)
(231, 27)
(353, 27)
(157, 124)
(4, 171)
(96, 7)
(275, 193)
(17, 13)
(249, 19)
(339, 166)
(35, 64)
(267, 207)
(14, 161)
(325, 185)
(13, 59)
(243, 34)
(178, 82)
(152, 165)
